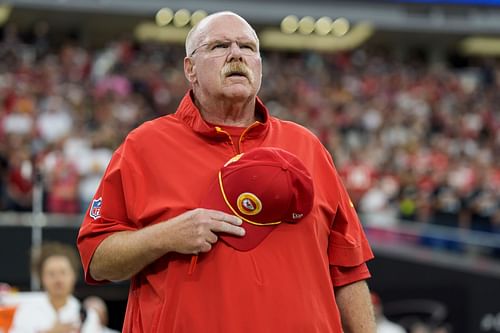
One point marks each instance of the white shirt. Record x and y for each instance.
(38, 314)
(386, 326)
(93, 325)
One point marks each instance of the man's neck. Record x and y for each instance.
(228, 112)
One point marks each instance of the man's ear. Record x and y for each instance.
(189, 70)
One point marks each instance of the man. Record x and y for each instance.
(145, 222)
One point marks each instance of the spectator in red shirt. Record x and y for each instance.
(19, 187)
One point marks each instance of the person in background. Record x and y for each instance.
(384, 325)
(97, 310)
(56, 310)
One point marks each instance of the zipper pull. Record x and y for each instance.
(192, 264)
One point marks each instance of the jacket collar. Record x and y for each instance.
(188, 113)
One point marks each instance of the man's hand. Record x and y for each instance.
(124, 254)
(196, 230)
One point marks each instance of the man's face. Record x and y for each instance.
(226, 61)
(58, 277)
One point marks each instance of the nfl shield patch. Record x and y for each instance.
(95, 208)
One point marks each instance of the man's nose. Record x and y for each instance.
(235, 51)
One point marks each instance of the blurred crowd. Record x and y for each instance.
(412, 140)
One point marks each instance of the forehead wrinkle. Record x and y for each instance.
(206, 37)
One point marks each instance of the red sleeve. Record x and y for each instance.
(348, 248)
(107, 213)
(342, 276)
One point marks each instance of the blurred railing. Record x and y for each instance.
(457, 248)
(404, 231)
(444, 246)
(13, 219)
(414, 231)
(401, 232)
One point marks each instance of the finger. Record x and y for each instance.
(221, 216)
(206, 247)
(212, 238)
(218, 226)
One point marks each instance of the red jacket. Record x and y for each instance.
(283, 285)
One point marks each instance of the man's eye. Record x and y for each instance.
(248, 47)
(220, 46)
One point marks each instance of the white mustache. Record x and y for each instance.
(237, 68)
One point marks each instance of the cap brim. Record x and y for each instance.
(254, 234)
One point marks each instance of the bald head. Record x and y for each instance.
(200, 30)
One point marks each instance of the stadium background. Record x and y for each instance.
(404, 95)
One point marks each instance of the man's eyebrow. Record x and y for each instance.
(226, 39)
(218, 40)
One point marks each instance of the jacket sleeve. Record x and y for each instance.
(348, 248)
(107, 213)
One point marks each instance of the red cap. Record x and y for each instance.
(264, 187)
